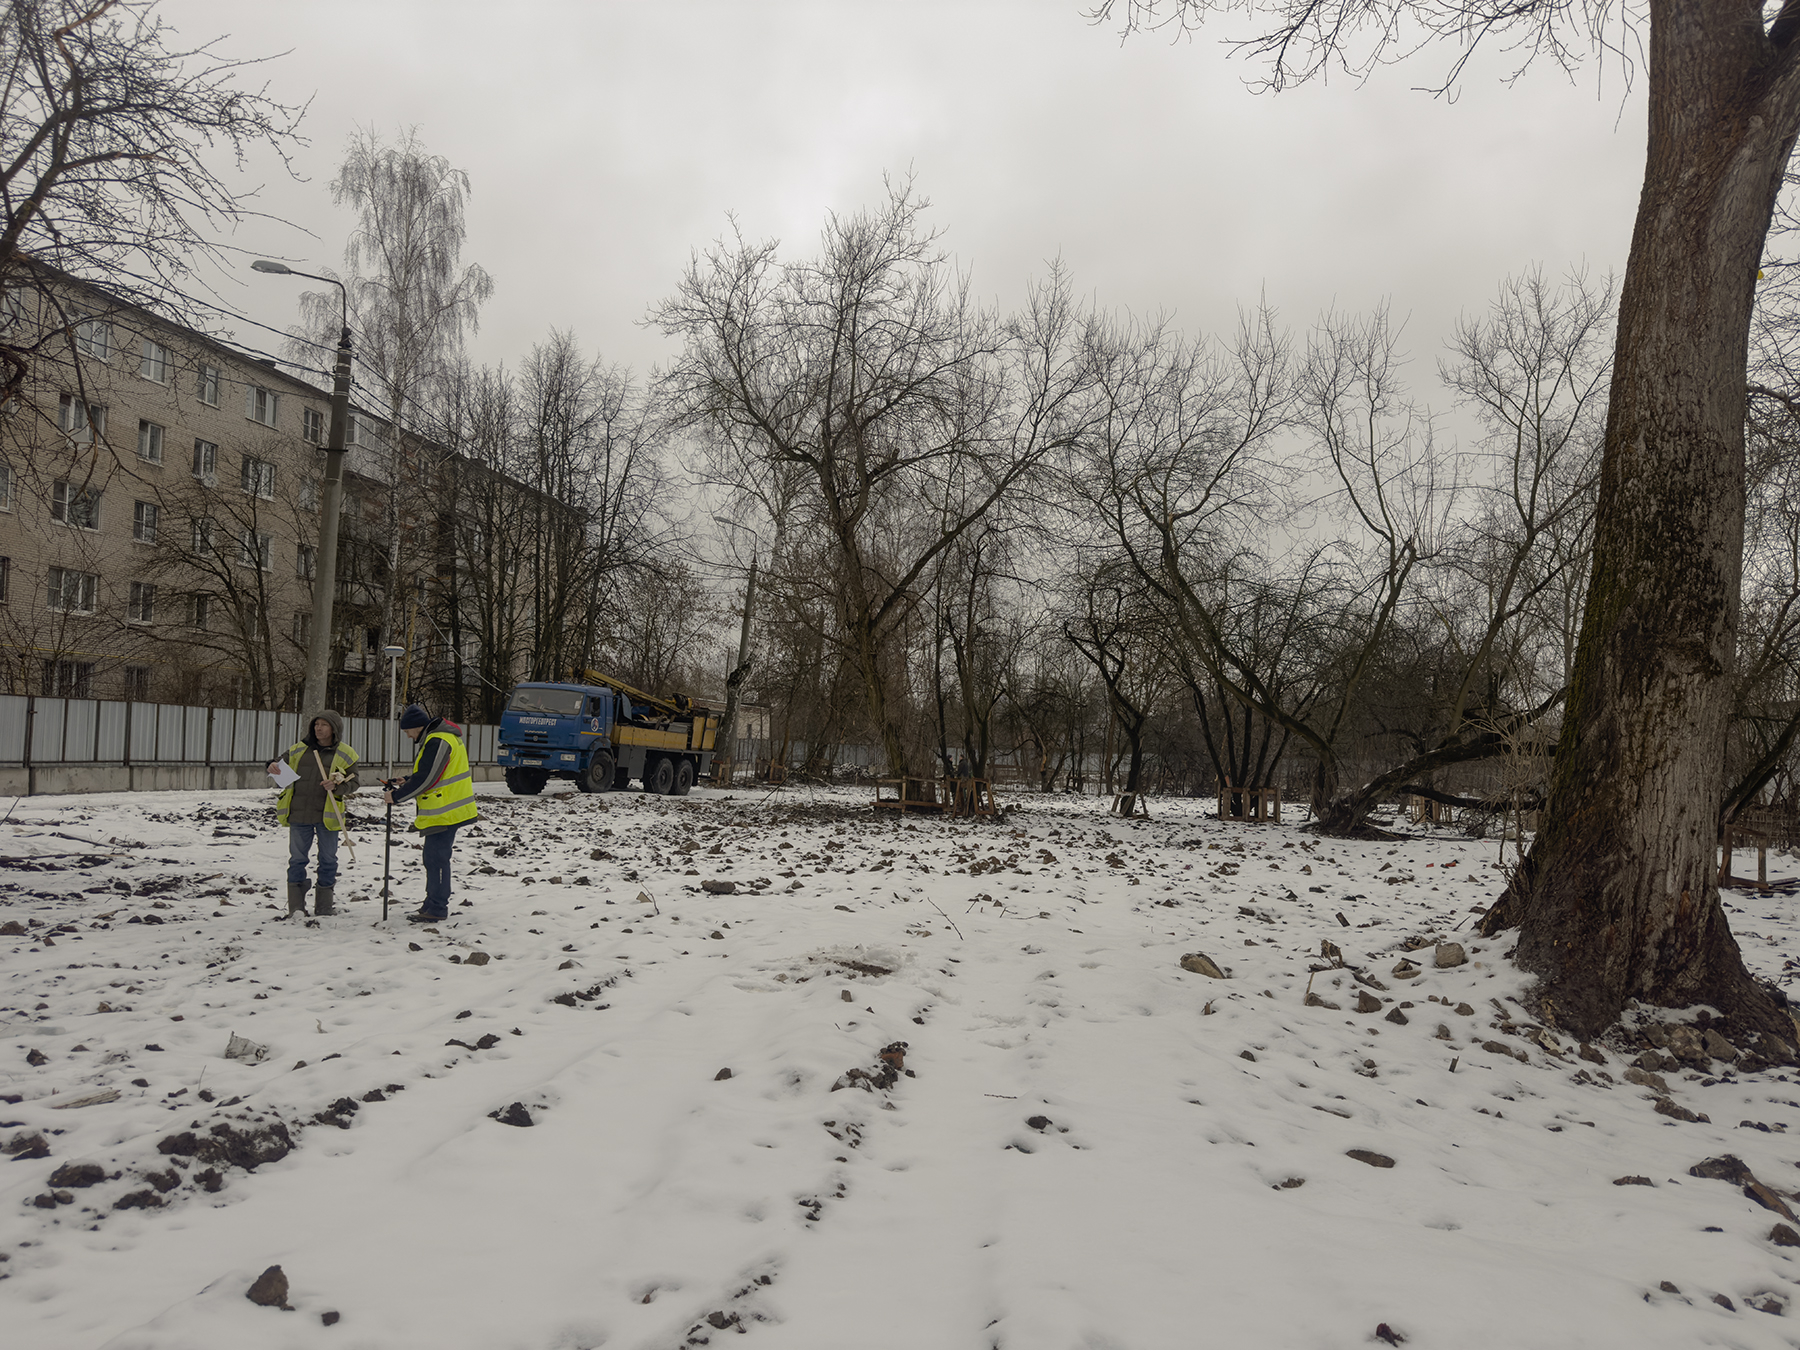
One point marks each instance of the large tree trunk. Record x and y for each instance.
(1617, 899)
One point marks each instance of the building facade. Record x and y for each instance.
(159, 497)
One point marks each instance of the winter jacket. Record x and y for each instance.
(441, 784)
(304, 802)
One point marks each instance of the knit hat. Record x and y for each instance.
(412, 715)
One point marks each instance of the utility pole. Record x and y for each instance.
(331, 501)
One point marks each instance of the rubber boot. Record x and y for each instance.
(296, 898)
(322, 898)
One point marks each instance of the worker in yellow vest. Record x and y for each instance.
(312, 807)
(442, 790)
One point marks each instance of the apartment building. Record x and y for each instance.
(159, 496)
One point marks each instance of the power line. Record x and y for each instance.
(244, 318)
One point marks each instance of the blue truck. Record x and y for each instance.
(602, 733)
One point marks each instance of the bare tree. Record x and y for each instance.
(1111, 623)
(222, 544)
(1617, 899)
(1535, 370)
(906, 408)
(589, 452)
(977, 622)
(1269, 622)
(478, 611)
(109, 128)
(411, 302)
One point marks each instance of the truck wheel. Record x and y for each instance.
(660, 776)
(599, 775)
(684, 777)
(527, 782)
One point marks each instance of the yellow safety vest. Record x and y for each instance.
(343, 756)
(450, 800)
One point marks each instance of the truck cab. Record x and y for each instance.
(555, 731)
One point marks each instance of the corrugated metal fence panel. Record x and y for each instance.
(256, 737)
(195, 724)
(481, 743)
(358, 730)
(231, 734)
(143, 732)
(81, 716)
(13, 710)
(221, 728)
(288, 729)
(47, 731)
(112, 733)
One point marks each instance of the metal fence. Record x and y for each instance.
(40, 731)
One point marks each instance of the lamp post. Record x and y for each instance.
(728, 723)
(393, 655)
(331, 498)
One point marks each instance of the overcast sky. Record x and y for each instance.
(606, 141)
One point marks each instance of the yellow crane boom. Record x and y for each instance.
(676, 705)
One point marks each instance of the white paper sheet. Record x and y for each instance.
(283, 775)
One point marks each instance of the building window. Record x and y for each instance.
(141, 608)
(260, 404)
(306, 561)
(203, 537)
(144, 516)
(153, 364)
(137, 684)
(79, 419)
(72, 592)
(93, 337)
(13, 309)
(199, 610)
(255, 549)
(365, 432)
(309, 494)
(312, 426)
(206, 460)
(302, 630)
(5, 580)
(68, 679)
(258, 478)
(206, 384)
(75, 505)
(150, 439)
(6, 487)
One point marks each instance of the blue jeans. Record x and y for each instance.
(300, 838)
(438, 845)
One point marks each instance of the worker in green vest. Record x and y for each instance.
(442, 789)
(312, 808)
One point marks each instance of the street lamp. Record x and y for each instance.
(393, 655)
(318, 647)
(727, 723)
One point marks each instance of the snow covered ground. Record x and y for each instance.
(1084, 1144)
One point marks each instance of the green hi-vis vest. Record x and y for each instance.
(450, 800)
(343, 757)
